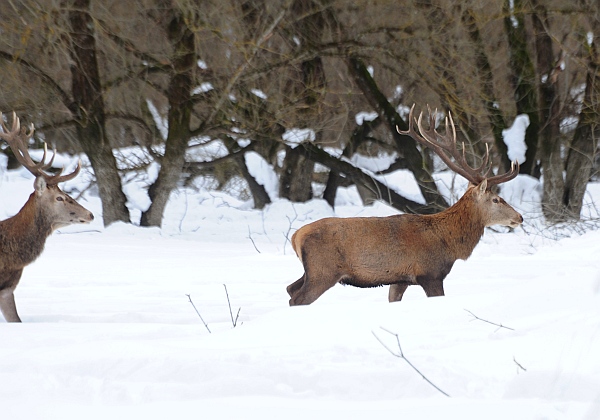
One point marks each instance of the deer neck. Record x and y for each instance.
(24, 235)
(461, 226)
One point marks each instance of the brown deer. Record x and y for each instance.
(408, 249)
(22, 237)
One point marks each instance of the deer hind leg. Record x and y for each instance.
(7, 297)
(295, 286)
(307, 295)
(396, 292)
(432, 286)
(312, 286)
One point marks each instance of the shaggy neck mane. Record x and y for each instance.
(25, 236)
(461, 225)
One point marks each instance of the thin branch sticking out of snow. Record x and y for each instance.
(196, 309)
(400, 354)
(233, 320)
(489, 322)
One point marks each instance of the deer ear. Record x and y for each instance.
(482, 186)
(40, 185)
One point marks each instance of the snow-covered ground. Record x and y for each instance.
(109, 332)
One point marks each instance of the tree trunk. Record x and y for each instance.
(179, 94)
(295, 182)
(258, 191)
(88, 111)
(309, 88)
(523, 80)
(583, 147)
(487, 89)
(550, 153)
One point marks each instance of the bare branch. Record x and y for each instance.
(489, 322)
(233, 321)
(196, 309)
(401, 355)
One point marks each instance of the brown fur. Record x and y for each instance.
(398, 250)
(23, 236)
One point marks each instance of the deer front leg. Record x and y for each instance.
(7, 297)
(396, 292)
(8, 306)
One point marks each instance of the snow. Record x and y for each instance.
(514, 138)
(203, 88)
(109, 332)
(294, 136)
(361, 117)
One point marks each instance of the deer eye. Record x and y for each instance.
(59, 198)
(495, 200)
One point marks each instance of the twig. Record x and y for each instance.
(518, 364)
(252, 240)
(185, 212)
(401, 355)
(233, 321)
(201, 319)
(489, 322)
(291, 222)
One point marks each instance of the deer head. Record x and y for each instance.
(56, 206)
(491, 207)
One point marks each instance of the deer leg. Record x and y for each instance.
(432, 287)
(310, 291)
(7, 297)
(8, 306)
(293, 288)
(396, 292)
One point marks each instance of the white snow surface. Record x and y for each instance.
(514, 138)
(109, 332)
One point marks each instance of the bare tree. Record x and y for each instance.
(88, 111)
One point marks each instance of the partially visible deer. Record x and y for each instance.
(408, 249)
(22, 237)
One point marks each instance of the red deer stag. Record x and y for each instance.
(408, 249)
(22, 237)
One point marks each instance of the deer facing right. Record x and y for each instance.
(23, 236)
(407, 249)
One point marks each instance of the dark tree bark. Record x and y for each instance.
(308, 87)
(296, 177)
(584, 144)
(550, 147)
(88, 111)
(523, 80)
(258, 191)
(487, 89)
(179, 94)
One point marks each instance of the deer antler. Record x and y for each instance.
(445, 147)
(18, 138)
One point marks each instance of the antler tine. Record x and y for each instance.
(484, 164)
(502, 178)
(17, 138)
(58, 178)
(445, 147)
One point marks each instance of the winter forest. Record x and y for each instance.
(210, 131)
